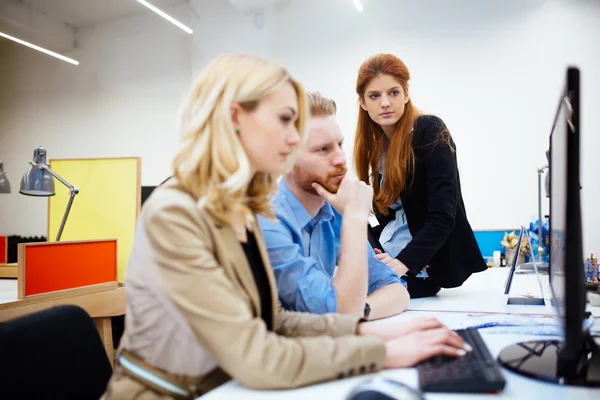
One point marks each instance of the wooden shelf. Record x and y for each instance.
(8, 271)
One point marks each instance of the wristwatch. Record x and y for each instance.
(367, 310)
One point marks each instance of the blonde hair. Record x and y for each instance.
(321, 106)
(212, 164)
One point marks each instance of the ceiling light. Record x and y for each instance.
(165, 16)
(359, 6)
(38, 48)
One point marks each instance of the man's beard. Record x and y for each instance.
(305, 179)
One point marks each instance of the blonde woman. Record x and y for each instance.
(202, 301)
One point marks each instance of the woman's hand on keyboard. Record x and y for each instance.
(393, 329)
(412, 348)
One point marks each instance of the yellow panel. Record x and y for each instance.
(107, 204)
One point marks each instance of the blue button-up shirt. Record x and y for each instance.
(304, 251)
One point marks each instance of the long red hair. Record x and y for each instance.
(368, 142)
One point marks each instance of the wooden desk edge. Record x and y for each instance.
(8, 271)
(106, 303)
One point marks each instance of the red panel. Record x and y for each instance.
(3, 249)
(59, 266)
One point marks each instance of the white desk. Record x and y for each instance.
(482, 293)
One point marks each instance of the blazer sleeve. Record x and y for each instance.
(441, 174)
(222, 319)
(297, 324)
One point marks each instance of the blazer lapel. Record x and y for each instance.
(239, 263)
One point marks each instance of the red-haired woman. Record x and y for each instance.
(410, 160)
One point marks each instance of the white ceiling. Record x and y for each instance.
(80, 13)
(52, 23)
(248, 5)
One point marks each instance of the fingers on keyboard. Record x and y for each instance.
(444, 336)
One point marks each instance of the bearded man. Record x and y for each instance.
(318, 246)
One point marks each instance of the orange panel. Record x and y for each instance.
(3, 249)
(59, 266)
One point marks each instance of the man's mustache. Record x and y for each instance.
(337, 171)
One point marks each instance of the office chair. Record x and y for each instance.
(53, 354)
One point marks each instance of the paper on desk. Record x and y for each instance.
(519, 324)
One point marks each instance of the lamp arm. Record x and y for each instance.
(64, 220)
(72, 189)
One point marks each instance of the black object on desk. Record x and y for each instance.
(475, 372)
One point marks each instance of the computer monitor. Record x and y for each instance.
(574, 359)
(567, 278)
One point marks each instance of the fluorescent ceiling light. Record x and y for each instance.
(359, 6)
(165, 16)
(38, 48)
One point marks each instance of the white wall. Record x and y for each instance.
(121, 101)
(491, 69)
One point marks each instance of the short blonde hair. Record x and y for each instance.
(321, 106)
(212, 164)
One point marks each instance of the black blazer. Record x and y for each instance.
(435, 212)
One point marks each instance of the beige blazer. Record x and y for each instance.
(194, 309)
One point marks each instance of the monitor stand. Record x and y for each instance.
(539, 359)
(525, 301)
(530, 267)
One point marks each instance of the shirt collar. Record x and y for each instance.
(302, 216)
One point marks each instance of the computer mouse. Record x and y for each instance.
(380, 388)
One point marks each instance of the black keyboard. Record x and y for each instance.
(476, 372)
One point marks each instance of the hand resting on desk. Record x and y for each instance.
(410, 342)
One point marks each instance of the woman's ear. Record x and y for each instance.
(234, 112)
(362, 104)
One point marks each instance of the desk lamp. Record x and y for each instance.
(4, 183)
(37, 181)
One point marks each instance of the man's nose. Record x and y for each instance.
(339, 158)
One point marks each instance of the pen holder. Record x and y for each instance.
(594, 299)
(510, 253)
